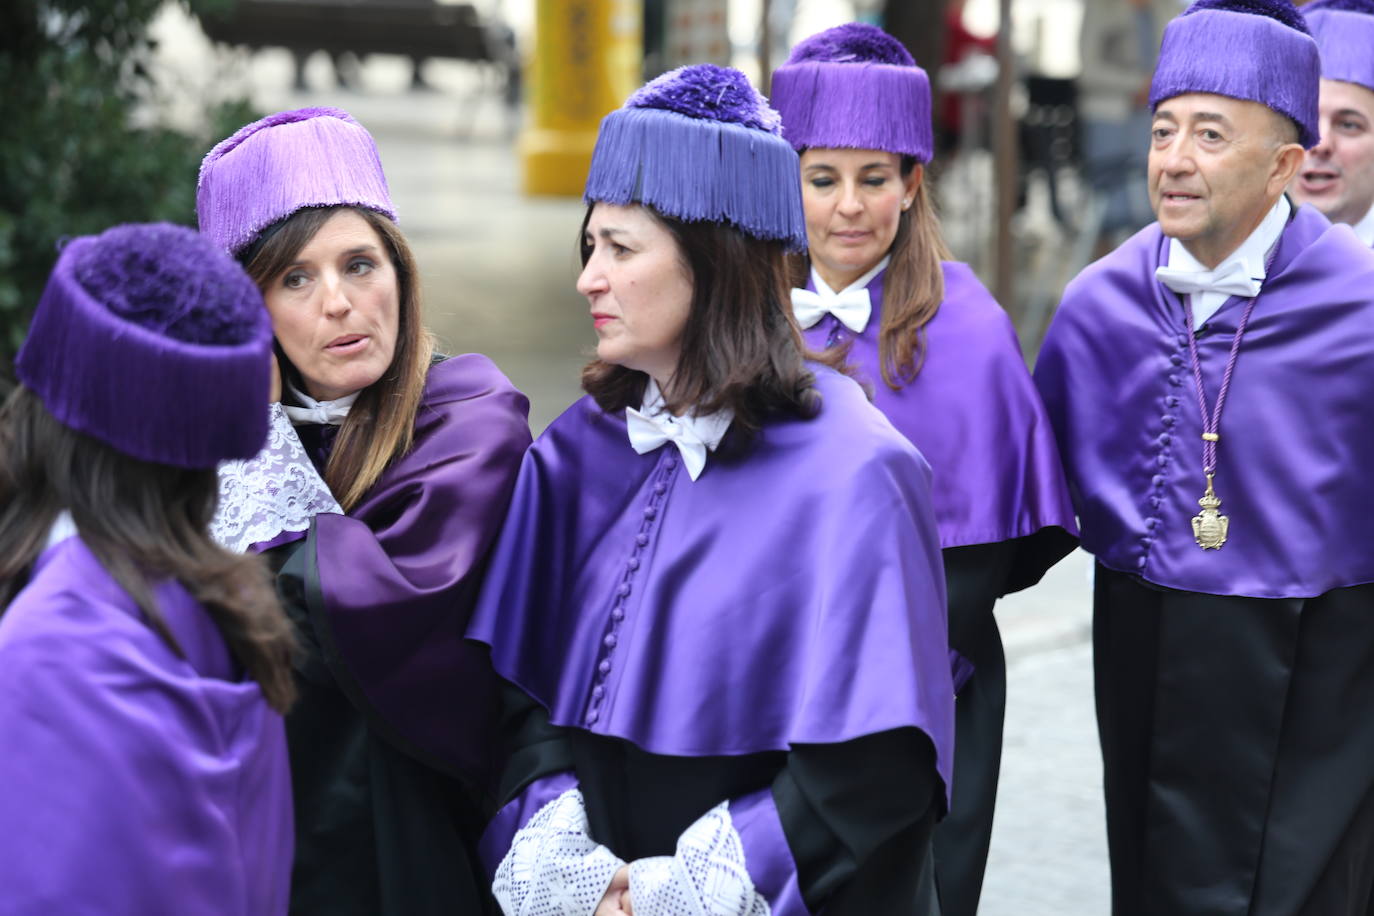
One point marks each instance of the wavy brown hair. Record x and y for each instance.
(913, 287)
(740, 349)
(380, 427)
(145, 523)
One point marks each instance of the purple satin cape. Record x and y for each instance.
(793, 594)
(400, 572)
(973, 413)
(1297, 434)
(133, 781)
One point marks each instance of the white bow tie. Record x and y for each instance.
(326, 413)
(693, 436)
(1232, 279)
(852, 307)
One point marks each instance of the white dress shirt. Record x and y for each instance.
(1247, 261)
(1364, 229)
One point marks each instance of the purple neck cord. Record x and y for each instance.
(1212, 421)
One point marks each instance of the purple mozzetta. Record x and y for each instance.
(973, 413)
(133, 781)
(1297, 430)
(792, 594)
(398, 575)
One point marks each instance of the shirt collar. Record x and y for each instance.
(708, 429)
(1365, 228)
(322, 412)
(824, 290)
(62, 528)
(1252, 252)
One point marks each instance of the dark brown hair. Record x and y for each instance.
(740, 349)
(380, 427)
(144, 522)
(913, 287)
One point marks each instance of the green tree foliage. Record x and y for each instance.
(75, 157)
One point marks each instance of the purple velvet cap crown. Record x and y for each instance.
(310, 157)
(855, 87)
(1257, 50)
(1344, 32)
(700, 144)
(152, 340)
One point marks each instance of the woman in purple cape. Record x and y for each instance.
(143, 669)
(717, 602)
(878, 285)
(382, 487)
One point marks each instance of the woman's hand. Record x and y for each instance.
(276, 381)
(617, 899)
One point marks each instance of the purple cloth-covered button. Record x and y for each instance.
(1171, 401)
(1176, 359)
(632, 564)
(1168, 420)
(591, 718)
(660, 488)
(1175, 380)
(1164, 439)
(641, 539)
(650, 512)
(1162, 460)
(617, 613)
(598, 692)
(604, 667)
(622, 589)
(610, 640)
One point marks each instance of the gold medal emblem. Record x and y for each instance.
(1209, 525)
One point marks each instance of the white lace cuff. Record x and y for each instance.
(276, 491)
(706, 876)
(554, 867)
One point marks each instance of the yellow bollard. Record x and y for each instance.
(587, 59)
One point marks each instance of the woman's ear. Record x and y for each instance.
(911, 184)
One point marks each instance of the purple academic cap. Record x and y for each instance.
(1344, 31)
(1257, 50)
(700, 144)
(310, 157)
(854, 87)
(152, 340)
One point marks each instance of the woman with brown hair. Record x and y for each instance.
(878, 285)
(717, 601)
(143, 668)
(383, 486)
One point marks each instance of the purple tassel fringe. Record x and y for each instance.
(855, 106)
(313, 157)
(1346, 40)
(1242, 56)
(693, 170)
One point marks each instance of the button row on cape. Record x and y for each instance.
(668, 464)
(1164, 441)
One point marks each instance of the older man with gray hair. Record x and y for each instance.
(1211, 385)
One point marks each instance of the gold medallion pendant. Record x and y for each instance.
(1209, 525)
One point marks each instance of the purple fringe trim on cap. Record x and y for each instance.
(1346, 42)
(1242, 56)
(271, 168)
(694, 170)
(855, 106)
(152, 397)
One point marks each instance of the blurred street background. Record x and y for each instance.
(484, 114)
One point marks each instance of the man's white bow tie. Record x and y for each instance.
(1233, 280)
(852, 307)
(326, 413)
(649, 432)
